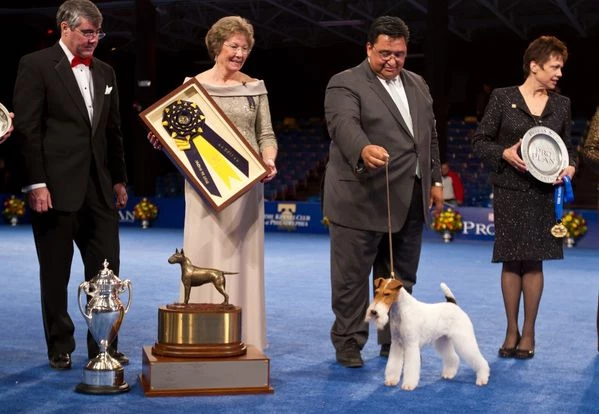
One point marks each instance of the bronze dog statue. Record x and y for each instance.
(197, 276)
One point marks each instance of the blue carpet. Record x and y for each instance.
(562, 378)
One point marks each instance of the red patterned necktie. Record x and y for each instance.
(77, 60)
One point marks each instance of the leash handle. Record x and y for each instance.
(389, 221)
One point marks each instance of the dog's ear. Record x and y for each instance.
(377, 282)
(176, 250)
(395, 284)
(183, 254)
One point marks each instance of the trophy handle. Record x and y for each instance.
(84, 286)
(126, 285)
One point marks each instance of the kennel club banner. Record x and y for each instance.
(306, 217)
(303, 217)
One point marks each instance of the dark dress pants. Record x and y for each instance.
(94, 229)
(353, 254)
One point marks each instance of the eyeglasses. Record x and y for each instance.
(386, 55)
(236, 48)
(90, 34)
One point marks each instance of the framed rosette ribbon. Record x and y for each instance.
(204, 145)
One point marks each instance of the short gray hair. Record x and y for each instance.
(72, 10)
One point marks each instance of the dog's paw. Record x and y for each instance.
(483, 374)
(449, 373)
(408, 386)
(482, 380)
(391, 381)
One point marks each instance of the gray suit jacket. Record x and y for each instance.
(359, 111)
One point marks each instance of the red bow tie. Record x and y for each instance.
(81, 61)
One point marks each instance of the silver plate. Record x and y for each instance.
(5, 120)
(544, 153)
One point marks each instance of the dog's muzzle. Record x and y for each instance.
(378, 313)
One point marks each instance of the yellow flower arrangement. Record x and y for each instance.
(575, 224)
(145, 210)
(13, 207)
(449, 220)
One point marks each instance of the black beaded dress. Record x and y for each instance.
(523, 206)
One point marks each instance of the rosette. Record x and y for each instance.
(207, 152)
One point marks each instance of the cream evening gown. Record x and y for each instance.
(233, 239)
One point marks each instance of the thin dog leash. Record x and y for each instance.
(389, 221)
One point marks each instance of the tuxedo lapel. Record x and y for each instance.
(65, 73)
(99, 91)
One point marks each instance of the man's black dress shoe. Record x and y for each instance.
(60, 361)
(385, 348)
(349, 355)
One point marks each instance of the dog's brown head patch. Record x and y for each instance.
(386, 290)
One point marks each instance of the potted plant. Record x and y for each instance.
(576, 227)
(145, 211)
(447, 223)
(13, 209)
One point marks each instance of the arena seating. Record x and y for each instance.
(474, 175)
(303, 152)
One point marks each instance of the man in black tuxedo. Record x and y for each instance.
(378, 114)
(67, 115)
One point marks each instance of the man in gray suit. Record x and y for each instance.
(381, 122)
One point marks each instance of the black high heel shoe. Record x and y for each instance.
(521, 353)
(506, 352)
(509, 352)
(524, 353)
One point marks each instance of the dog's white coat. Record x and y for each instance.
(414, 324)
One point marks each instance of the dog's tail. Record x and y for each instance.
(230, 273)
(448, 294)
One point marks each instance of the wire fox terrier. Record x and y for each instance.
(414, 323)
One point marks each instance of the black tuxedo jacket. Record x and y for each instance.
(61, 146)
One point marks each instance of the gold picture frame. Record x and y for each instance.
(204, 145)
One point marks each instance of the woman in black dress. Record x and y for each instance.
(523, 206)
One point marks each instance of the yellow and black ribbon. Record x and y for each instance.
(185, 123)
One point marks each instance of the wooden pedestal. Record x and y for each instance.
(164, 376)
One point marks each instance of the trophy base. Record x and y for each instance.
(175, 377)
(101, 389)
(200, 330)
(102, 381)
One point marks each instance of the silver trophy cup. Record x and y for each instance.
(104, 314)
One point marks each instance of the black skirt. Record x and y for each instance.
(523, 221)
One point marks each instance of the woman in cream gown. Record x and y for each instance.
(233, 239)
